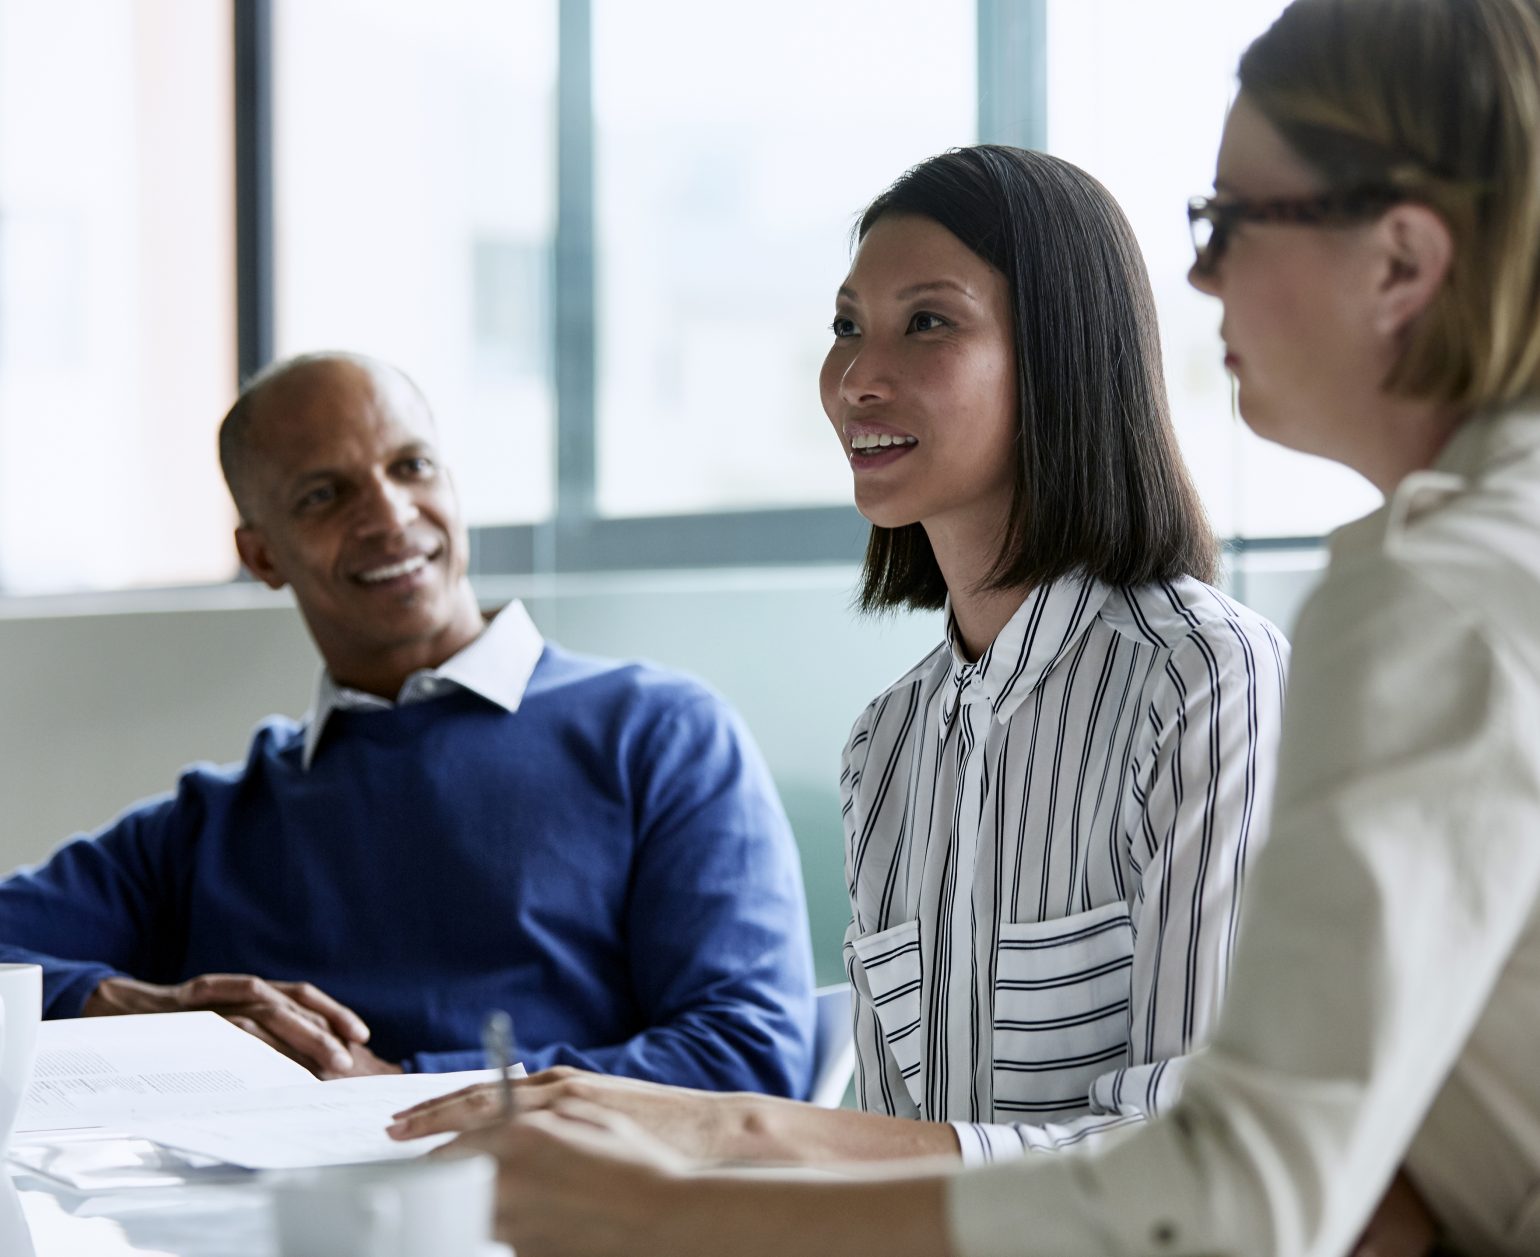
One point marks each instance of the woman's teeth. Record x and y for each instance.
(880, 441)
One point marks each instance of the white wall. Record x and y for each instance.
(103, 699)
(98, 709)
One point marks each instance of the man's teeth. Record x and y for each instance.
(880, 441)
(402, 568)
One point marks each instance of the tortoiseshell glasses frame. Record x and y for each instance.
(1212, 218)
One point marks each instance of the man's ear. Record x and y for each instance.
(252, 546)
(1417, 252)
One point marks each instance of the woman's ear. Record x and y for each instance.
(1417, 249)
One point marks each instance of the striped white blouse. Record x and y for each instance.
(1045, 851)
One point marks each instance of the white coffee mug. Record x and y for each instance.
(440, 1208)
(21, 1008)
(15, 1234)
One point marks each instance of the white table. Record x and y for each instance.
(225, 1220)
(39, 1219)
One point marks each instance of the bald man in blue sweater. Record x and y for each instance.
(470, 818)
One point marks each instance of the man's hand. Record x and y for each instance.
(303, 1023)
(364, 1063)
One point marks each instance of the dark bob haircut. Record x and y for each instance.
(1100, 487)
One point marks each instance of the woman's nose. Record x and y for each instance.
(867, 377)
(1204, 278)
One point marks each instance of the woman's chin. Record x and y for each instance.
(1256, 414)
(883, 510)
(885, 516)
(1274, 427)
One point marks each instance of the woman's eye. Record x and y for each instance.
(417, 467)
(926, 322)
(842, 327)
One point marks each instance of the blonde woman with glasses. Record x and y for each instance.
(1374, 239)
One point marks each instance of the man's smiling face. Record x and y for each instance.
(346, 502)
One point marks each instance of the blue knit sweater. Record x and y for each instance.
(609, 862)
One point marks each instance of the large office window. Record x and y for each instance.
(117, 324)
(602, 235)
(735, 146)
(414, 176)
(1147, 125)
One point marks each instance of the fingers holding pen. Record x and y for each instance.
(548, 1164)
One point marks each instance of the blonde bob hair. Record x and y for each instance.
(1439, 102)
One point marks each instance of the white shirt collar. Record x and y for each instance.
(497, 665)
(1483, 443)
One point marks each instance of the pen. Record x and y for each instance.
(497, 1042)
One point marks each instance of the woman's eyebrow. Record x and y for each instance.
(916, 290)
(934, 285)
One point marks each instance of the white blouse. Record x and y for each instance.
(1386, 997)
(1044, 852)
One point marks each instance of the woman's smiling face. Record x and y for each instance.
(920, 383)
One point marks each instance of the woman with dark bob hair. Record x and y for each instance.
(1374, 239)
(1049, 819)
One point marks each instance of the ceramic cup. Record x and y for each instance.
(387, 1209)
(15, 1235)
(21, 1008)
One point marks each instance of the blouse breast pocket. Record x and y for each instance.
(1062, 991)
(891, 961)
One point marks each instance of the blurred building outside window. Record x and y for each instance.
(415, 166)
(736, 145)
(117, 306)
(1137, 95)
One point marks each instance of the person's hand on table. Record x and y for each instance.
(1401, 1226)
(303, 1023)
(575, 1180)
(709, 1126)
(690, 1122)
(364, 1063)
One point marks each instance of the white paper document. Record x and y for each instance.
(319, 1123)
(93, 1071)
(170, 1098)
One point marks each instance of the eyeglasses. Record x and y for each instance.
(1212, 219)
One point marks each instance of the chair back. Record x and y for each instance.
(834, 1048)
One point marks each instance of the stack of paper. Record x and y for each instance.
(171, 1098)
(91, 1070)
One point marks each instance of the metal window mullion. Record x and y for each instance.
(1013, 72)
(254, 262)
(573, 287)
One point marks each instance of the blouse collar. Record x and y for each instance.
(1050, 620)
